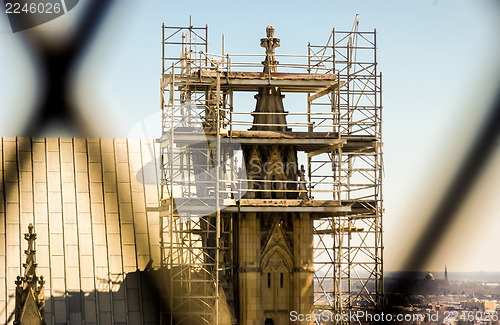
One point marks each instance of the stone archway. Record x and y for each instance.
(276, 277)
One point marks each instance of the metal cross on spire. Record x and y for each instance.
(270, 43)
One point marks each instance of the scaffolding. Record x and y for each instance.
(337, 134)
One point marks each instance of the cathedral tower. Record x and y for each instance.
(275, 260)
(267, 213)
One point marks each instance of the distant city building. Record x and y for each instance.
(483, 305)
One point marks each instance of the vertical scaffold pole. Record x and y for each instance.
(217, 197)
(171, 205)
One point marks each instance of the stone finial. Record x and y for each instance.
(30, 294)
(270, 31)
(270, 43)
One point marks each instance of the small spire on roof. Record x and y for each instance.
(270, 43)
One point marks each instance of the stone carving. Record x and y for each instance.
(30, 296)
(270, 43)
(254, 171)
(277, 249)
(269, 114)
(276, 264)
(302, 184)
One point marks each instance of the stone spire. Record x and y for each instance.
(269, 114)
(270, 43)
(30, 296)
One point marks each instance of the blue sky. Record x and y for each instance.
(440, 65)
